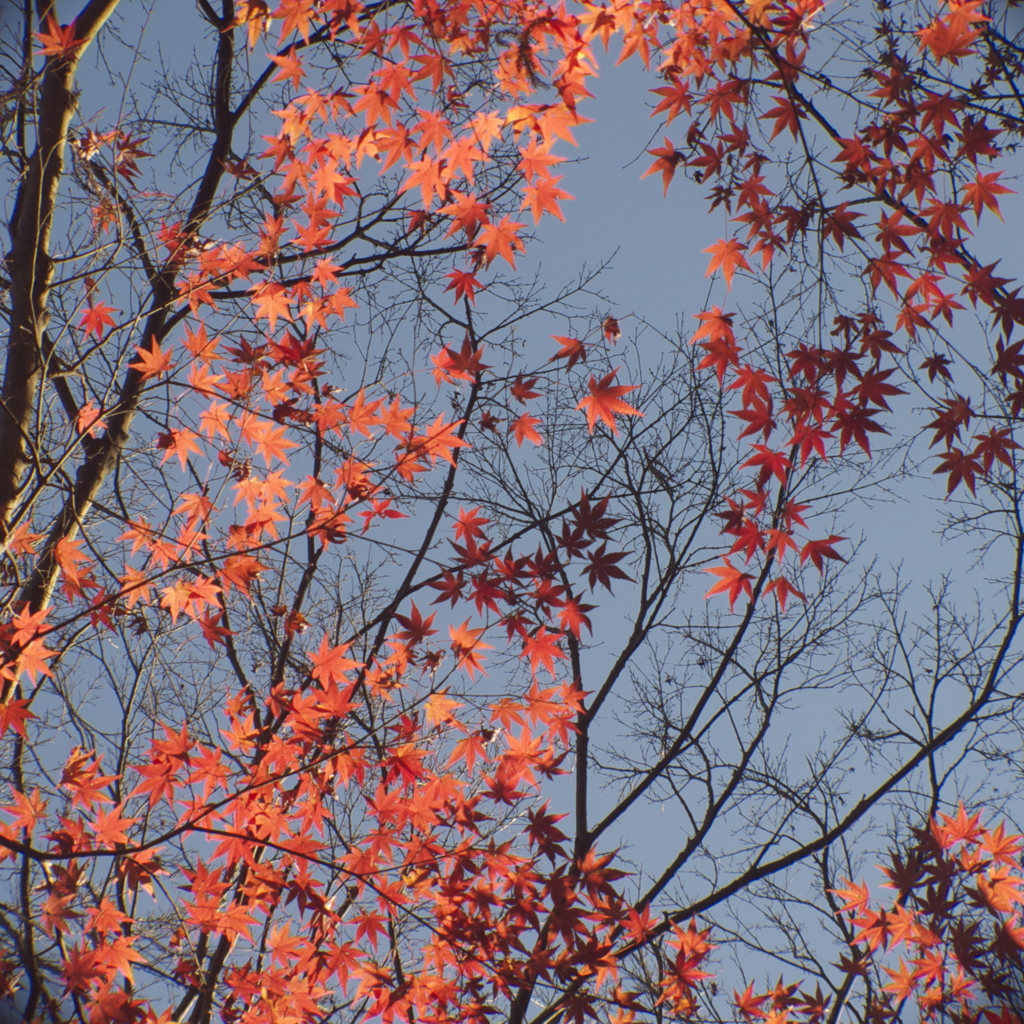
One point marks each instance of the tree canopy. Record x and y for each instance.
(391, 632)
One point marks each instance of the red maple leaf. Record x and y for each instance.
(464, 284)
(937, 366)
(110, 827)
(748, 1004)
(668, 158)
(995, 446)
(731, 580)
(14, 714)
(95, 318)
(522, 390)
(572, 349)
(961, 467)
(462, 365)
(769, 464)
(573, 615)
(783, 590)
(542, 648)
(58, 40)
(838, 224)
(786, 114)
(982, 192)
(602, 568)
(818, 550)
(415, 629)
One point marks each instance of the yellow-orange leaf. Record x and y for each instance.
(605, 400)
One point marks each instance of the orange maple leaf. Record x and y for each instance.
(291, 67)
(439, 708)
(524, 429)
(542, 648)
(1001, 847)
(604, 401)
(267, 439)
(543, 198)
(668, 159)
(272, 300)
(501, 240)
(296, 16)
(467, 213)
(239, 571)
(58, 40)
(856, 896)
(903, 981)
(182, 443)
(331, 663)
(950, 37)
(439, 442)
(110, 827)
(466, 644)
(727, 255)
(26, 811)
(152, 361)
(731, 580)
(961, 829)
(56, 914)
(89, 420)
(255, 14)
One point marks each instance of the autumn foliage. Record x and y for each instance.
(306, 544)
(952, 934)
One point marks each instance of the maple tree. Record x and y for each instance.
(350, 629)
